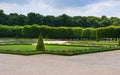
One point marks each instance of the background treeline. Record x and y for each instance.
(32, 31)
(13, 19)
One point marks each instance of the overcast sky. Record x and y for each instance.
(58, 7)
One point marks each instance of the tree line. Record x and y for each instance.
(31, 18)
(33, 31)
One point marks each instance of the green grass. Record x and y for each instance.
(52, 49)
(18, 47)
(93, 43)
(73, 48)
(32, 47)
(64, 47)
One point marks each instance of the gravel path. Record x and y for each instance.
(53, 42)
(107, 63)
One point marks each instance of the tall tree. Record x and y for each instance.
(14, 19)
(22, 19)
(78, 21)
(92, 21)
(63, 20)
(34, 18)
(105, 21)
(3, 17)
(115, 20)
(49, 20)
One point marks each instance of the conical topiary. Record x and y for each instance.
(119, 42)
(40, 44)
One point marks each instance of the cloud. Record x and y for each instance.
(48, 7)
(15, 1)
(72, 3)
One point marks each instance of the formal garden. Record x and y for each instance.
(89, 40)
(73, 48)
(84, 34)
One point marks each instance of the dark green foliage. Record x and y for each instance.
(108, 32)
(13, 19)
(31, 31)
(63, 20)
(26, 31)
(97, 39)
(59, 32)
(119, 42)
(40, 44)
(50, 32)
(34, 18)
(3, 17)
(44, 30)
(77, 32)
(10, 31)
(63, 32)
(49, 20)
(89, 33)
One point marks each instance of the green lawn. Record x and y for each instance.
(93, 43)
(72, 48)
(32, 47)
(17, 47)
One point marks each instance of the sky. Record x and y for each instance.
(58, 7)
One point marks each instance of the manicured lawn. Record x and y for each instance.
(32, 47)
(17, 47)
(63, 47)
(93, 43)
(72, 48)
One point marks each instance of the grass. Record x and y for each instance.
(52, 49)
(93, 43)
(18, 47)
(23, 47)
(17, 41)
(32, 47)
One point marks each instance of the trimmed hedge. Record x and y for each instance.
(33, 31)
(10, 31)
(109, 32)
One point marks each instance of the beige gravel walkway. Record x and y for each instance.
(53, 42)
(107, 63)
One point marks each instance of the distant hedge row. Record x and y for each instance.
(10, 31)
(109, 32)
(59, 32)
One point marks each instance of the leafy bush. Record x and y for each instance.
(10, 31)
(40, 44)
(59, 32)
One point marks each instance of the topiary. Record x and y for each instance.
(97, 39)
(119, 42)
(40, 44)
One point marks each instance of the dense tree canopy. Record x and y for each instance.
(31, 18)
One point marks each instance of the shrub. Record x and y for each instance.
(59, 32)
(10, 31)
(119, 42)
(89, 33)
(40, 44)
(31, 31)
(77, 32)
